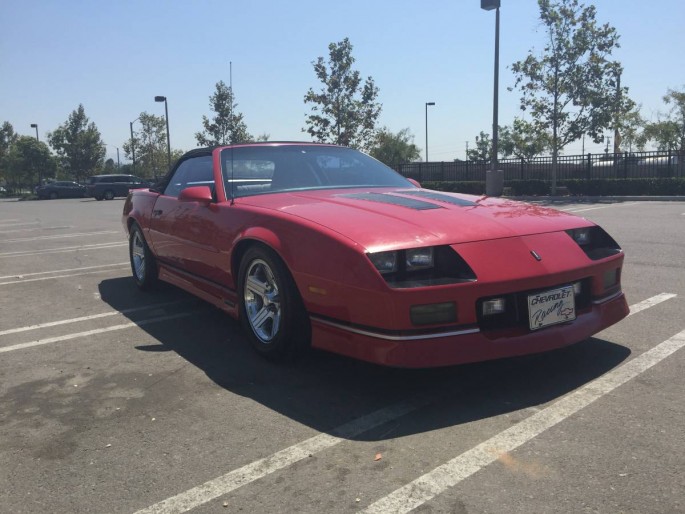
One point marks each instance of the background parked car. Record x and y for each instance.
(61, 189)
(112, 186)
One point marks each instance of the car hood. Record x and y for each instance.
(389, 219)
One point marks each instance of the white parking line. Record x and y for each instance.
(650, 302)
(68, 337)
(11, 221)
(62, 276)
(60, 236)
(576, 209)
(430, 485)
(6, 224)
(22, 275)
(30, 229)
(258, 469)
(26, 253)
(254, 471)
(88, 318)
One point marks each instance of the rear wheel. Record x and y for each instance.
(271, 310)
(143, 263)
(109, 195)
(53, 195)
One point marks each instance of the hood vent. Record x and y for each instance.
(430, 195)
(410, 203)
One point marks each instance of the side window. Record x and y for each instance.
(196, 171)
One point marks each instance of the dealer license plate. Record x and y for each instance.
(551, 307)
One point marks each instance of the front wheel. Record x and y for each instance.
(109, 195)
(143, 263)
(271, 310)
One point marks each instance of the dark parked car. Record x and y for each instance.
(112, 186)
(61, 189)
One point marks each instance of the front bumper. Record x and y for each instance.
(460, 346)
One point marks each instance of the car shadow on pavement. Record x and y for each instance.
(324, 391)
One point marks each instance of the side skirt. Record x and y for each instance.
(219, 296)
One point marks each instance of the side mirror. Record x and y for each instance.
(415, 182)
(201, 194)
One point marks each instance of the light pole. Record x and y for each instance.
(489, 5)
(427, 104)
(166, 115)
(40, 172)
(133, 146)
(118, 165)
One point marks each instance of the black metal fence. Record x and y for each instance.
(590, 166)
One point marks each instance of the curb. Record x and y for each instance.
(596, 199)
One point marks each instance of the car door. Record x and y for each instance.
(185, 234)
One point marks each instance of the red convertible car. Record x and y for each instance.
(318, 245)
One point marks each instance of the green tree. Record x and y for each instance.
(631, 126)
(227, 125)
(668, 132)
(483, 149)
(395, 149)
(28, 160)
(109, 166)
(7, 138)
(149, 144)
(523, 140)
(344, 111)
(78, 145)
(570, 88)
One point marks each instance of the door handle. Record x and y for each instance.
(157, 212)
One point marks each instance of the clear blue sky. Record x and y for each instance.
(114, 57)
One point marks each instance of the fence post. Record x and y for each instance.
(625, 164)
(588, 174)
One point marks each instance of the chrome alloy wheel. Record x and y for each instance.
(138, 255)
(262, 301)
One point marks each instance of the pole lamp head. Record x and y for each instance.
(160, 98)
(430, 103)
(489, 5)
(34, 125)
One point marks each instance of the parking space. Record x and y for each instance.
(113, 400)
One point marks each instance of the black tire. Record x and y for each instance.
(143, 264)
(109, 194)
(53, 195)
(271, 310)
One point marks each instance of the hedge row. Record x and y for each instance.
(595, 187)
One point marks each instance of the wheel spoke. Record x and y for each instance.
(261, 318)
(257, 287)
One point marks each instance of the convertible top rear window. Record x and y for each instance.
(271, 169)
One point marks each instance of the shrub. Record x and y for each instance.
(469, 188)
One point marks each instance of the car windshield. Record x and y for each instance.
(253, 170)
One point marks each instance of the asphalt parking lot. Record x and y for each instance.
(112, 400)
